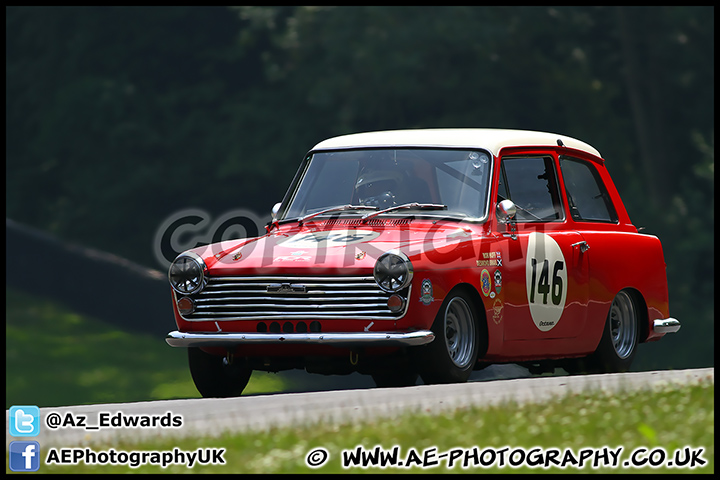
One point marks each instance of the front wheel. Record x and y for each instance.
(215, 376)
(450, 358)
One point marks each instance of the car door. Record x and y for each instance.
(545, 269)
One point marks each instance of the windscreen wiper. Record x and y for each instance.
(334, 209)
(421, 206)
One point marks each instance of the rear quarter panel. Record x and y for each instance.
(625, 260)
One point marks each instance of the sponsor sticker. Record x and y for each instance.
(485, 282)
(490, 259)
(497, 311)
(426, 292)
(498, 280)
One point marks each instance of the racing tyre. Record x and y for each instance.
(213, 378)
(619, 340)
(451, 357)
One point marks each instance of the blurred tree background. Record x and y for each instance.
(118, 117)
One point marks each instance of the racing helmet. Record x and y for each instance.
(377, 188)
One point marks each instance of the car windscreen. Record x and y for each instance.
(384, 178)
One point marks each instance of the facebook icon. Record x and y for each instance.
(24, 456)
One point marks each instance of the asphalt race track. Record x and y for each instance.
(212, 416)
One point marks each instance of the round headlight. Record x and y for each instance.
(393, 271)
(187, 273)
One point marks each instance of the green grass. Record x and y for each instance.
(56, 357)
(670, 417)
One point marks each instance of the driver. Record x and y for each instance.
(378, 188)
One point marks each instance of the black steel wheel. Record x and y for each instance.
(618, 343)
(451, 357)
(215, 376)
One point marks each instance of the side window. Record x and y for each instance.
(531, 183)
(586, 195)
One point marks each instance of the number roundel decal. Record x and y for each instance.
(546, 280)
(331, 238)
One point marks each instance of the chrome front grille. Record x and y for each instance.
(291, 298)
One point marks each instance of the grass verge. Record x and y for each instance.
(55, 357)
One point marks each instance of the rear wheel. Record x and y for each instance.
(450, 358)
(215, 376)
(619, 341)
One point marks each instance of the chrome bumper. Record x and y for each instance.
(666, 325)
(350, 339)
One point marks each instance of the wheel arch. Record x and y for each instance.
(642, 312)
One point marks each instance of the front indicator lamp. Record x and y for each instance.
(396, 303)
(186, 306)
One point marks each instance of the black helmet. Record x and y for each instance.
(377, 188)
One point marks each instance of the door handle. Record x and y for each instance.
(584, 247)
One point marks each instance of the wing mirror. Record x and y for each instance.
(506, 214)
(275, 210)
(506, 211)
(273, 223)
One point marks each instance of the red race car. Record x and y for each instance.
(428, 252)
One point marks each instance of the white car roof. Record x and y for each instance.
(491, 139)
